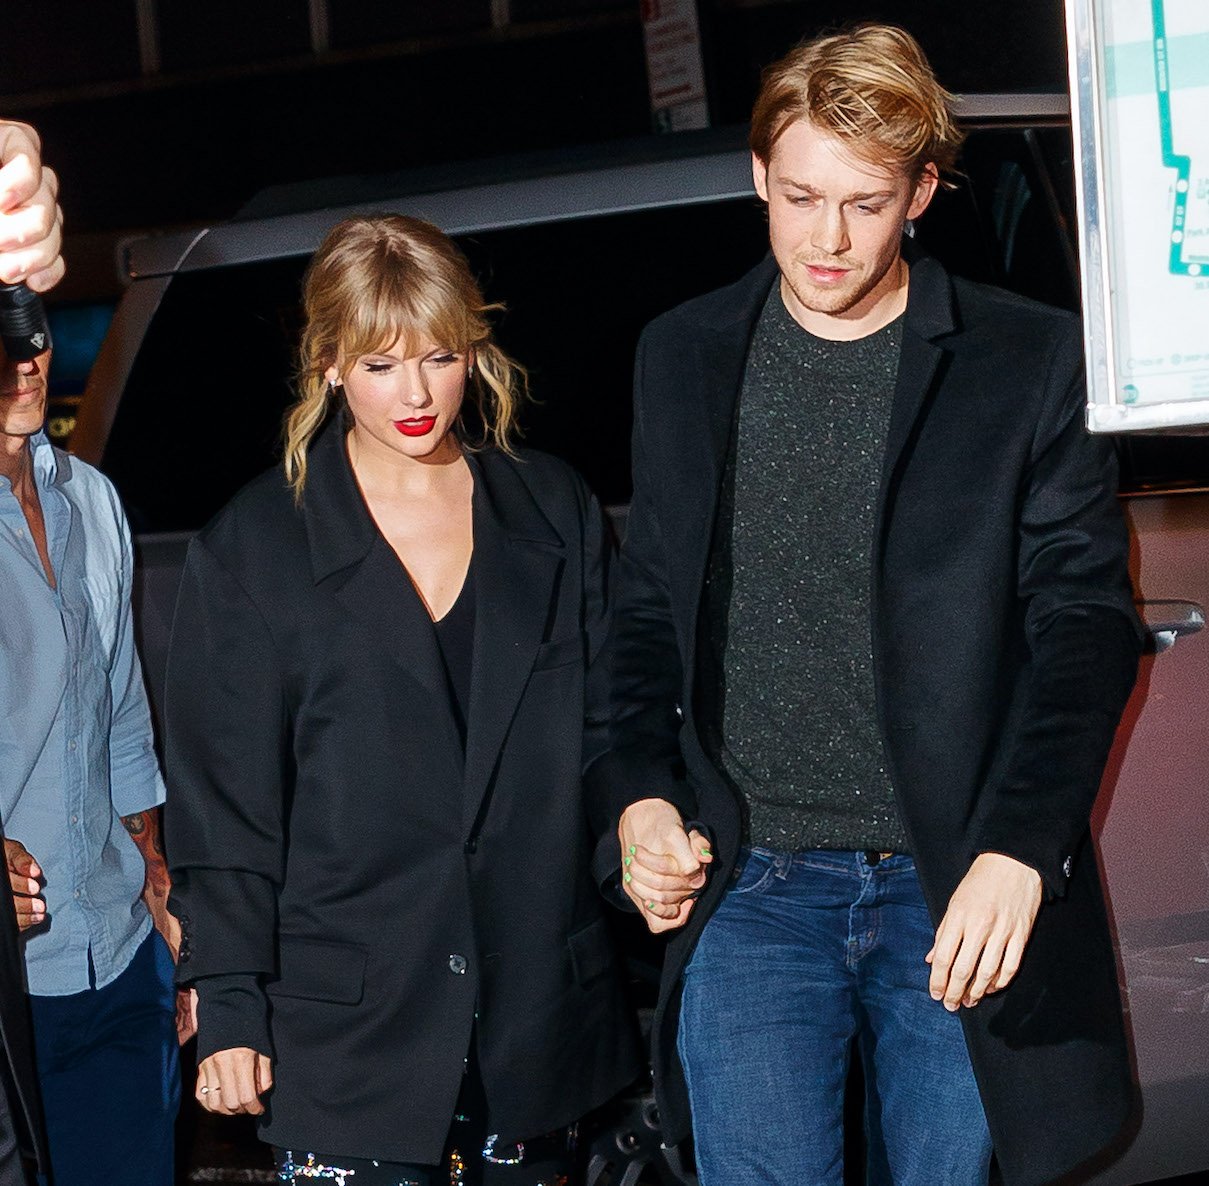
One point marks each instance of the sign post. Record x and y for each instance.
(1139, 74)
(673, 65)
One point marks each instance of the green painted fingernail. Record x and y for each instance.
(633, 849)
(705, 852)
(628, 878)
(629, 861)
(650, 905)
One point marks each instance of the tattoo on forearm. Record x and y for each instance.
(136, 825)
(144, 828)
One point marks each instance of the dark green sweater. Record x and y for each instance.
(795, 721)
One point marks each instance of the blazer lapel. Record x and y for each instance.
(929, 316)
(518, 560)
(351, 555)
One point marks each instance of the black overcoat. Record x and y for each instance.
(23, 1106)
(325, 830)
(1005, 646)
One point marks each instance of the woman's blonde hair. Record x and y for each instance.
(870, 86)
(386, 279)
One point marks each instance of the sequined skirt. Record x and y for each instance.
(472, 1157)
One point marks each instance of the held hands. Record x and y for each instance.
(663, 866)
(981, 939)
(231, 1082)
(23, 874)
(31, 223)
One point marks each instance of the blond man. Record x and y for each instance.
(874, 632)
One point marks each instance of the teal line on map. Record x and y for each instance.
(1171, 160)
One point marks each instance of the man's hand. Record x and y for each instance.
(981, 939)
(31, 223)
(23, 875)
(232, 1081)
(663, 866)
(186, 1014)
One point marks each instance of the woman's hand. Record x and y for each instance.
(231, 1082)
(663, 867)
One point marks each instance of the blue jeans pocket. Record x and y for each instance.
(753, 872)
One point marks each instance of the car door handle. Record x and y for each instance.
(1165, 621)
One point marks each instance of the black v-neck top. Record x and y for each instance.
(455, 637)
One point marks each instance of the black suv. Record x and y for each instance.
(185, 405)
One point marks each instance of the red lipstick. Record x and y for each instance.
(418, 427)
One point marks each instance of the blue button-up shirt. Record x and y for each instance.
(75, 732)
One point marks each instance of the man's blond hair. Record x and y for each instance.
(869, 85)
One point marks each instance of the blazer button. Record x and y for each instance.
(1066, 866)
(457, 965)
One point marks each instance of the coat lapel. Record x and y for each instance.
(929, 317)
(351, 556)
(518, 560)
(721, 356)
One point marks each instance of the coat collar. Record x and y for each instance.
(730, 320)
(722, 326)
(518, 558)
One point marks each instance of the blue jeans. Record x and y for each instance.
(109, 1070)
(807, 952)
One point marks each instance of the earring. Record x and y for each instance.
(470, 371)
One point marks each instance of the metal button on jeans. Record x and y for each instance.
(457, 965)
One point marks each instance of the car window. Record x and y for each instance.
(1002, 223)
(201, 414)
(202, 410)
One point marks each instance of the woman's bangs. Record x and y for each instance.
(413, 320)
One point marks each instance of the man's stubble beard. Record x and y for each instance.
(833, 301)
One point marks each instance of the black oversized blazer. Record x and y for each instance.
(1005, 646)
(325, 831)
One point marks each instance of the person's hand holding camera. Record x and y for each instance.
(31, 222)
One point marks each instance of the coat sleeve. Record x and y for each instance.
(226, 757)
(645, 673)
(1082, 631)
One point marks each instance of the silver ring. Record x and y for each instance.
(207, 1090)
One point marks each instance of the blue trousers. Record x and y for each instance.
(807, 952)
(109, 1069)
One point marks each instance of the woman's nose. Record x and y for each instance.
(417, 395)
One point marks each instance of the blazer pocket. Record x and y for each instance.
(315, 971)
(558, 652)
(592, 951)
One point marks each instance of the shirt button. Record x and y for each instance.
(75, 819)
(71, 745)
(75, 893)
(457, 965)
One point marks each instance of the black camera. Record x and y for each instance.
(23, 326)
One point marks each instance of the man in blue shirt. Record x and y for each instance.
(79, 789)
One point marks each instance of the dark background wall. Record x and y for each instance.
(166, 112)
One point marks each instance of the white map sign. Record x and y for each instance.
(1140, 103)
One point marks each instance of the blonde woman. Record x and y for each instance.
(381, 691)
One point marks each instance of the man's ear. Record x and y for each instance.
(759, 175)
(925, 190)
